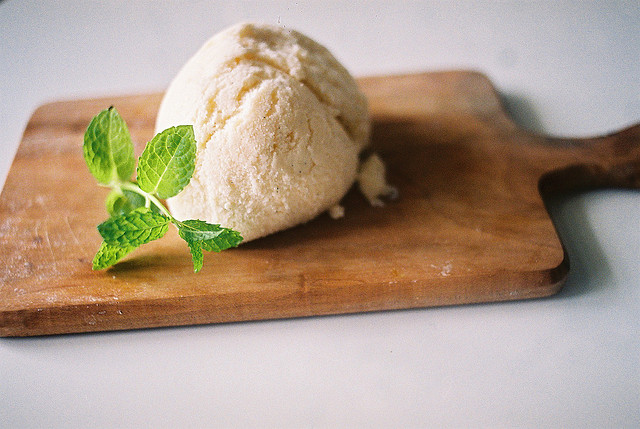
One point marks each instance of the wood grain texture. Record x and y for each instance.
(470, 224)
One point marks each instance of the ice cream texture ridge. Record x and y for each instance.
(279, 124)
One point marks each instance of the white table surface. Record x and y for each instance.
(564, 68)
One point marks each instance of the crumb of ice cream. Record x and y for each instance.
(373, 183)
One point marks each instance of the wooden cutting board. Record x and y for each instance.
(469, 226)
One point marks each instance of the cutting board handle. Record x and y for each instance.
(611, 161)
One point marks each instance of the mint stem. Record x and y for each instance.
(149, 199)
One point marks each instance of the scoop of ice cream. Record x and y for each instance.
(279, 124)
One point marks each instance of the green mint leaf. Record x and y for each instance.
(109, 254)
(196, 255)
(214, 237)
(200, 235)
(107, 148)
(167, 162)
(135, 228)
(119, 203)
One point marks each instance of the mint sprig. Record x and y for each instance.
(137, 215)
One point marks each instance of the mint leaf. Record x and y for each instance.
(196, 255)
(135, 228)
(214, 237)
(107, 148)
(167, 162)
(109, 254)
(122, 202)
(200, 235)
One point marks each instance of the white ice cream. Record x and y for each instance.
(279, 124)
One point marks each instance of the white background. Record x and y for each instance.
(563, 68)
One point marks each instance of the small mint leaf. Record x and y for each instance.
(135, 228)
(200, 235)
(109, 254)
(107, 148)
(119, 202)
(214, 237)
(196, 255)
(167, 162)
